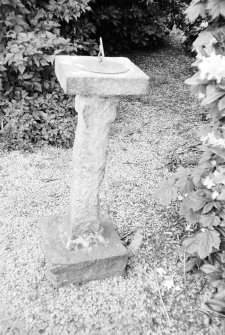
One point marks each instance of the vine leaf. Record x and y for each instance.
(219, 176)
(191, 216)
(192, 263)
(216, 9)
(195, 10)
(218, 151)
(221, 196)
(213, 96)
(184, 184)
(222, 216)
(204, 38)
(195, 201)
(208, 268)
(206, 157)
(202, 243)
(197, 174)
(216, 306)
(204, 130)
(166, 193)
(207, 208)
(209, 220)
(221, 104)
(195, 80)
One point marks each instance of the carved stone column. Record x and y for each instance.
(95, 116)
(83, 245)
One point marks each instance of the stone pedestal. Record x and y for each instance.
(83, 245)
(105, 258)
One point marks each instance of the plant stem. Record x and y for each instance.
(160, 295)
(184, 268)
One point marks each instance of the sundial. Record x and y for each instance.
(83, 244)
(101, 64)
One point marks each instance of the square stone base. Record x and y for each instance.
(79, 266)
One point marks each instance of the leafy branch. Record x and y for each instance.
(201, 189)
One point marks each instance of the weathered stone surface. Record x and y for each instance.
(95, 115)
(75, 81)
(78, 266)
(81, 246)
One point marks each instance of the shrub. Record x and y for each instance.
(28, 59)
(34, 32)
(39, 119)
(32, 107)
(202, 188)
(132, 24)
(32, 36)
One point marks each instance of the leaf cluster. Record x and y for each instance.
(126, 25)
(205, 18)
(38, 120)
(202, 188)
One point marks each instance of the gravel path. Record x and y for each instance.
(151, 137)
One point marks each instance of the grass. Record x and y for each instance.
(151, 137)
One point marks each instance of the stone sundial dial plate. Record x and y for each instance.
(106, 66)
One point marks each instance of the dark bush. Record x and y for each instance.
(128, 24)
(33, 32)
(47, 118)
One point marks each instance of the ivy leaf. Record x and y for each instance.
(21, 68)
(195, 201)
(211, 97)
(166, 193)
(197, 174)
(191, 216)
(195, 80)
(208, 207)
(217, 205)
(182, 172)
(49, 58)
(202, 243)
(216, 306)
(219, 176)
(204, 38)
(221, 197)
(204, 130)
(192, 263)
(185, 187)
(221, 104)
(184, 184)
(195, 10)
(216, 8)
(206, 157)
(208, 182)
(38, 87)
(218, 151)
(208, 268)
(222, 215)
(209, 220)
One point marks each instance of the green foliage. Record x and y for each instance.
(132, 24)
(215, 276)
(27, 61)
(32, 36)
(201, 191)
(38, 120)
(34, 32)
(203, 242)
(205, 18)
(125, 24)
(203, 204)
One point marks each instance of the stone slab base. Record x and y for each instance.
(79, 266)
